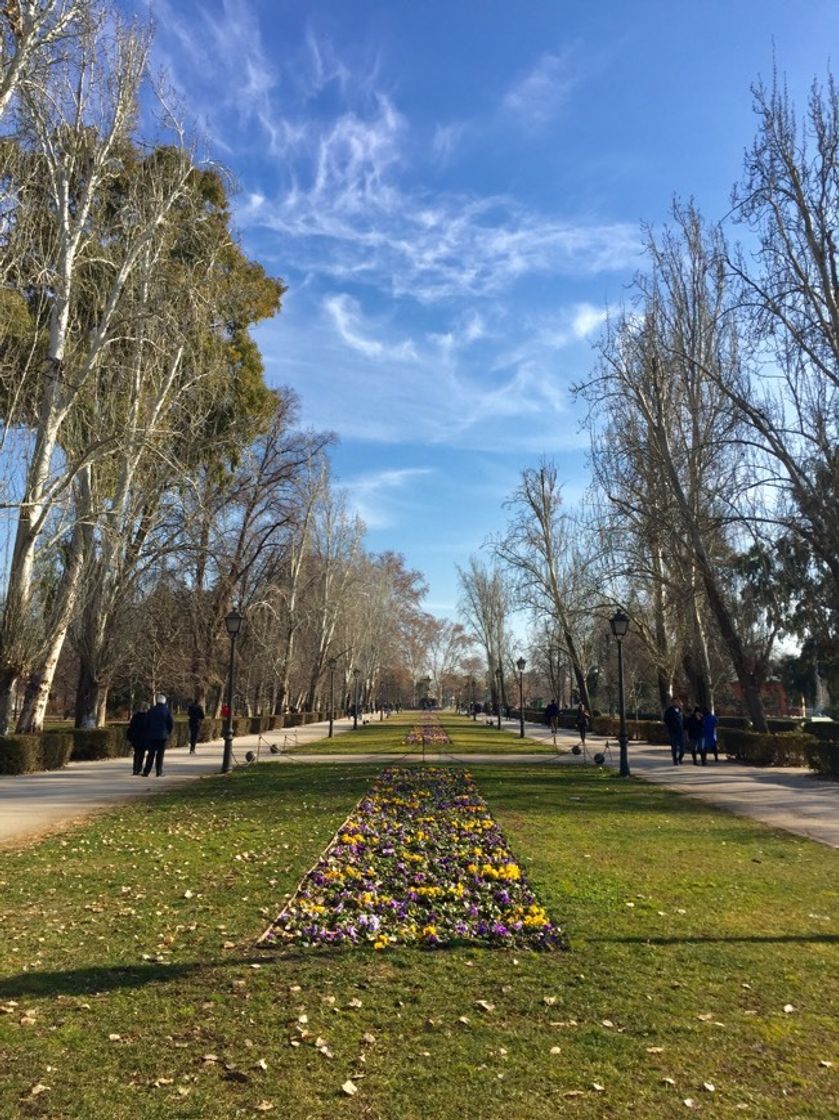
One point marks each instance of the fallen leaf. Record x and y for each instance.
(261, 1064)
(114, 1037)
(689, 1102)
(607, 1022)
(556, 1049)
(264, 1106)
(464, 1019)
(482, 1003)
(788, 1009)
(655, 1049)
(667, 1081)
(354, 1003)
(368, 1038)
(349, 1088)
(549, 1001)
(598, 1088)
(708, 1087)
(826, 1064)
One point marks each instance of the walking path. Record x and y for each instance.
(32, 803)
(788, 798)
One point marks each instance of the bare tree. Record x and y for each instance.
(655, 371)
(485, 607)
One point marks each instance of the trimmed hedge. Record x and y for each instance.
(824, 759)
(789, 748)
(826, 731)
(94, 743)
(19, 754)
(55, 749)
(25, 754)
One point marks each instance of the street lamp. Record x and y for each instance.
(619, 623)
(520, 664)
(233, 621)
(472, 693)
(333, 661)
(498, 677)
(355, 674)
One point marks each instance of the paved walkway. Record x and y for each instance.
(788, 798)
(31, 804)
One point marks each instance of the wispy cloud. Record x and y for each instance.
(345, 314)
(375, 496)
(536, 97)
(446, 140)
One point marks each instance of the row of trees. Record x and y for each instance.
(714, 421)
(150, 479)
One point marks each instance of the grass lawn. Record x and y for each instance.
(467, 736)
(703, 952)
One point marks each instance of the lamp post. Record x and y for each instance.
(619, 623)
(333, 661)
(472, 694)
(498, 678)
(520, 664)
(233, 622)
(355, 674)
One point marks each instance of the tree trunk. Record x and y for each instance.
(87, 695)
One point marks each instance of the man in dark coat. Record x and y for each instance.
(159, 726)
(136, 736)
(552, 717)
(194, 713)
(674, 720)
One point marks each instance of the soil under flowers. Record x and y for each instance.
(419, 861)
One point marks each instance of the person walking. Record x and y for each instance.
(136, 734)
(675, 728)
(158, 729)
(583, 722)
(195, 714)
(694, 730)
(709, 736)
(552, 718)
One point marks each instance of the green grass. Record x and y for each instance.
(387, 737)
(690, 930)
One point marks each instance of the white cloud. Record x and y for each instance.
(446, 139)
(346, 316)
(587, 318)
(537, 97)
(374, 495)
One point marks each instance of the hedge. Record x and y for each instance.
(789, 748)
(824, 759)
(824, 730)
(19, 754)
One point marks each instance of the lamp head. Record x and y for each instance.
(520, 664)
(619, 623)
(233, 621)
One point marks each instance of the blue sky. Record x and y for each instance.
(453, 192)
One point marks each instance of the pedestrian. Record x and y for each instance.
(709, 735)
(137, 737)
(552, 717)
(675, 728)
(583, 722)
(694, 730)
(195, 714)
(158, 729)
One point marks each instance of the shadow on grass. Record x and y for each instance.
(98, 979)
(746, 939)
(89, 981)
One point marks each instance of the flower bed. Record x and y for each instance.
(419, 861)
(429, 732)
